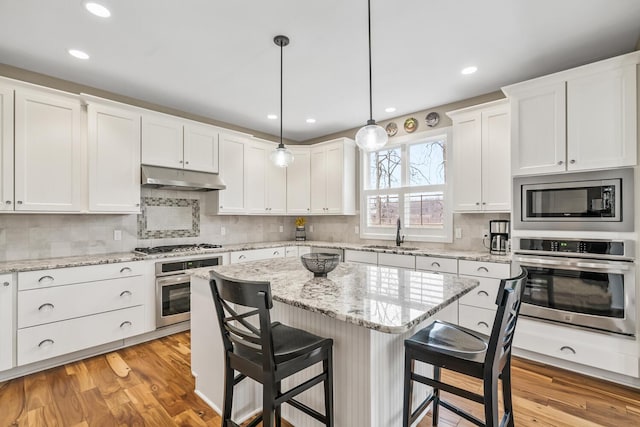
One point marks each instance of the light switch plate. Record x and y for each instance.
(117, 234)
(310, 228)
(458, 231)
(223, 231)
(357, 229)
(282, 228)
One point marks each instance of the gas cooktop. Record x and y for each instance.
(175, 248)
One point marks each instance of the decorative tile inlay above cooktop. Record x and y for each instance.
(163, 217)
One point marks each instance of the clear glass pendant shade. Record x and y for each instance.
(281, 156)
(371, 137)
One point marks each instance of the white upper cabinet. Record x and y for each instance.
(333, 177)
(48, 152)
(580, 119)
(114, 158)
(6, 147)
(232, 171)
(299, 181)
(481, 160)
(178, 143)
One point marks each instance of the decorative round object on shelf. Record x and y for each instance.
(410, 125)
(320, 263)
(391, 129)
(432, 119)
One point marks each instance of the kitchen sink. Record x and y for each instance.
(390, 247)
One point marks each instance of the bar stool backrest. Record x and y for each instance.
(238, 326)
(508, 300)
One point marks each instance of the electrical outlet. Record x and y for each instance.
(282, 228)
(357, 229)
(485, 232)
(223, 231)
(458, 232)
(310, 228)
(117, 234)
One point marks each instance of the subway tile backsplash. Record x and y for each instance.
(36, 236)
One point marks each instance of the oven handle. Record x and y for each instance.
(603, 266)
(173, 280)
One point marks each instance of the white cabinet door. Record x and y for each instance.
(334, 175)
(48, 152)
(7, 320)
(601, 119)
(201, 147)
(318, 180)
(496, 159)
(276, 186)
(299, 182)
(255, 196)
(467, 164)
(162, 137)
(538, 129)
(114, 159)
(6, 148)
(232, 164)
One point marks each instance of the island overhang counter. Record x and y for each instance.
(368, 311)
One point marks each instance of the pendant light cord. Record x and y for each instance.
(370, 84)
(281, 53)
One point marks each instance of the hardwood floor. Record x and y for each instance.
(151, 385)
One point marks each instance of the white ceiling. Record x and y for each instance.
(216, 58)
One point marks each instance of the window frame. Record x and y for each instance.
(442, 234)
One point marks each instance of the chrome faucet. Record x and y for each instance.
(399, 240)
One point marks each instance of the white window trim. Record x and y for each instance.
(440, 235)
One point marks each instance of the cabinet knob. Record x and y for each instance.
(484, 203)
(483, 293)
(5, 284)
(137, 205)
(126, 324)
(572, 161)
(46, 307)
(567, 349)
(45, 278)
(125, 270)
(19, 202)
(220, 206)
(8, 202)
(180, 161)
(477, 203)
(483, 324)
(125, 294)
(46, 343)
(560, 162)
(187, 162)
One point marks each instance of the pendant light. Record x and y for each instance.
(372, 136)
(281, 156)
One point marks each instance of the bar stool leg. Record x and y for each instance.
(506, 392)
(491, 401)
(278, 411)
(228, 394)
(408, 389)
(268, 396)
(435, 405)
(327, 366)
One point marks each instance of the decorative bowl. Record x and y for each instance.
(320, 263)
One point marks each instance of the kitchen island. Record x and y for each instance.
(367, 310)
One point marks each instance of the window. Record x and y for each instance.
(408, 181)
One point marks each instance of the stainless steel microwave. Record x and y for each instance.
(582, 201)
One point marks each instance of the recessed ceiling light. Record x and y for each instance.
(311, 120)
(78, 54)
(390, 109)
(272, 116)
(97, 9)
(469, 70)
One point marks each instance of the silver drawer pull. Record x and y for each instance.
(125, 270)
(485, 269)
(46, 307)
(483, 324)
(567, 349)
(241, 257)
(276, 252)
(43, 278)
(6, 283)
(46, 343)
(435, 264)
(125, 294)
(485, 293)
(126, 324)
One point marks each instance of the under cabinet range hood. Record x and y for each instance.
(180, 179)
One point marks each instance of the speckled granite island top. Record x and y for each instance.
(385, 299)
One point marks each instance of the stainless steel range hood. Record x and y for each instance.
(180, 179)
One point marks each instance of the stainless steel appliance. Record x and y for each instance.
(173, 281)
(586, 283)
(584, 201)
(499, 236)
(180, 179)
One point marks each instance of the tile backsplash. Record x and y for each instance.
(36, 236)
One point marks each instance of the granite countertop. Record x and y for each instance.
(385, 299)
(110, 258)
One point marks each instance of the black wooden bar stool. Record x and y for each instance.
(267, 352)
(449, 346)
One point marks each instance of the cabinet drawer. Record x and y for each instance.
(484, 269)
(396, 260)
(477, 319)
(587, 348)
(441, 265)
(257, 254)
(361, 257)
(54, 339)
(38, 306)
(291, 251)
(89, 273)
(483, 296)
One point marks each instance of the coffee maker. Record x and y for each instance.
(499, 236)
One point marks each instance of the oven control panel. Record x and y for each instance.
(599, 248)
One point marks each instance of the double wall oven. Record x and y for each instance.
(587, 281)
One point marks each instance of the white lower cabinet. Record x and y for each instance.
(397, 260)
(361, 257)
(437, 264)
(63, 310)
(7, 322)
(257, 254)
(477, 309)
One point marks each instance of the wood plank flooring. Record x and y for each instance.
(151, 385)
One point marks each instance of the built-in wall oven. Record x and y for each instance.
(173, 288)
(585, 283)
